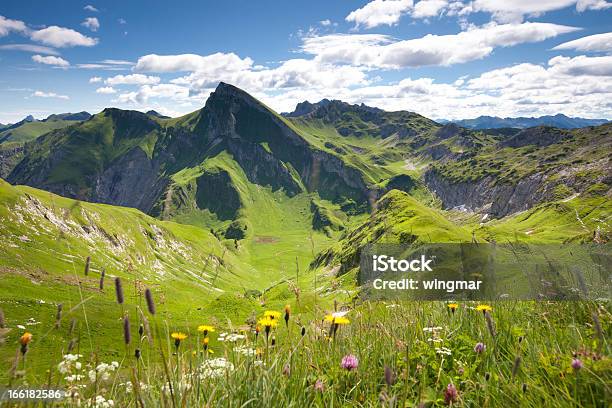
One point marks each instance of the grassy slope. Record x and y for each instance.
(31, 130)
(46, 239)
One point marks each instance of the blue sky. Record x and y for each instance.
(443, 59)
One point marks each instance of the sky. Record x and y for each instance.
(444, 59)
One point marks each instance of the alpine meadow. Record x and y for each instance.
(151, 257)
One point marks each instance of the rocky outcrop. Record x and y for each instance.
(133, 180)
(9, 157)
(540, 136)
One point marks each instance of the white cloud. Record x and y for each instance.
(95, 79)
(42, 94)
(91, 8)
(592, 43)
(146, 92)
(121, 21)
(7, 26)
(106, 90)
(51, 60)
(38, 49)
(325, 23)
(192, 62)
(116, 62)
(132, 79)
(379, 51)
(379, 12)
(62, 37)
(583, 5)
(428, 8)
(582, 65)
(92, 23)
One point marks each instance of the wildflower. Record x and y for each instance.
(119, 290)
(479, 348)
(336, 320)
(103, 371)
(484, 308)
(58, 315)
(268, 323)
(178, 337)
(516, 366)
(287, 313)
(443, 350)
(101, 402)
(127, 335)
(205, 329)
(87, 262)
(319, 386)
(450, 394)
(272, 314)
(232, 337)
(205, 343)
(246, 351)
(150, 303)
(349, 362)
(102, 275)
(214, 368)
(24, 340)
(453, 307)
(69, 362)
(577, 364)
(389, 376)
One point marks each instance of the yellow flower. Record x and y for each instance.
(341, 320)
(336, 319)
(453, 306)
(206, 329)
(25, 339)
(178, 336)
(272, 314)
(484, 308)
(267, 322)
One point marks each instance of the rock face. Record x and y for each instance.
(9, 157)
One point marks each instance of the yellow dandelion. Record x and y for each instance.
(453, 307)
(178, 336)
(341, 320)
(267, 322)
(484, 308)
(206, 329)
(272, 314)
(25, 339)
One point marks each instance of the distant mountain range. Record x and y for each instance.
(494, 122)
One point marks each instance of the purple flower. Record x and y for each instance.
(450, 394)
(349, 362)
(319, 386)
(479, 348)
(577, 364)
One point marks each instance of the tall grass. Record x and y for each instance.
(409, 354)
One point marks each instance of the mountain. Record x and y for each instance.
(68, 116)
(157, 114)
(559, 121)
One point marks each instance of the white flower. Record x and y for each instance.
(215, 367)
(101, 402)
(232, 338)
(246, 351)
(443, 350)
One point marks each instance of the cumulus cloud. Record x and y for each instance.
(91, 8)
(41, 94)
(428, 8)
(132, 79)
(38, 49)
(92, 23)
(592, 43)
(95, 79)
(106, 90)
(7, 26)
(582, 65)
(192, 62)
(51, 60)
(379, 12)
(583, 5)
(379, 51)
(62, 37)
